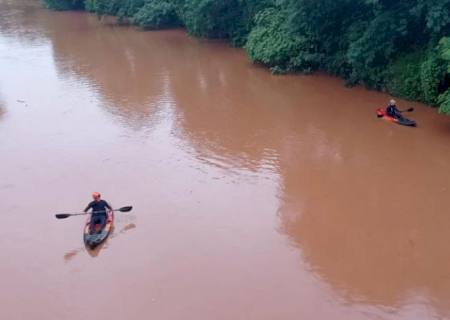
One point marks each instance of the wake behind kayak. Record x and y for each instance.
(381, 113)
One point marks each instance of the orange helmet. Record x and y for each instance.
(96, 195)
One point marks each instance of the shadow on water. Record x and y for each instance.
(70, 255)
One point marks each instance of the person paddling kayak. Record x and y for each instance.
(393, 114)
(99, 212)
(392, 110)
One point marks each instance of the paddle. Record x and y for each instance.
(66, 215)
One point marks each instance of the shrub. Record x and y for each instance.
(417, 76)
(271, 44)
(403, 76)
(157, 14)
(444, 54)
(64, 4)
(444, 102)
(212, 18)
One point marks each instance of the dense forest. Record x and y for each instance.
(398, 46)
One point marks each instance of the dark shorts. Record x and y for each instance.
(98, 219)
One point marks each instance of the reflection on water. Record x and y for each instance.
(364, 232)
(128, 80)
(228, 162)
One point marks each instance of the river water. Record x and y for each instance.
(255, 196)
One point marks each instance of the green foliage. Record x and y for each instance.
(444, 54)
(211, 18)
(372, 51)
(416, 76)
(437, 15)
(231, 19)
(64, 4)
(103, 7)
(270, 43)
(444, 51)
(131, 7)
(157, 14)
(403, 76)
(326, 24)
(89, 5)
(119, 8)
(249, 9)
(432, 73)
(444, 102)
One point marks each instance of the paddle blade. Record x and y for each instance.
(126, 209)
(410, 110)
(62, 215)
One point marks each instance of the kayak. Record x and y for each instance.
(381, 113)
(92, 240)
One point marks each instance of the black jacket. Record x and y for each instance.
(393, 111)
(98, 207)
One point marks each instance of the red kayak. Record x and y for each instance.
(93, 239)
(381, 113)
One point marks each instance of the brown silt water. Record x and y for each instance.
(255, 196)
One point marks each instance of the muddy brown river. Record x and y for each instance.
(256, 197)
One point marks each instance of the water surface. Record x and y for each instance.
(256, 196)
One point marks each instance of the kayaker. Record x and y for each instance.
(99, 213)
(392, 110)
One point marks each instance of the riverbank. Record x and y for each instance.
(401, 48)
